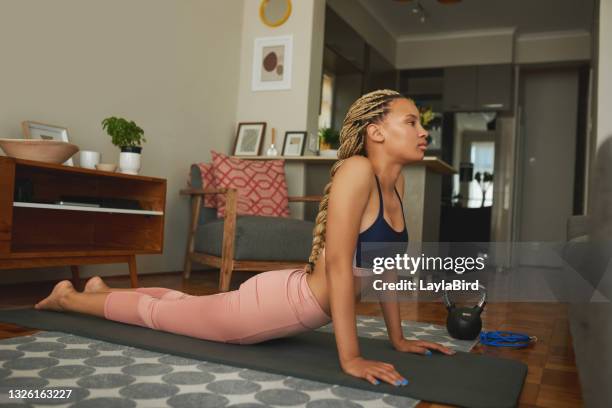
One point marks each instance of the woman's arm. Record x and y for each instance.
(391, 311)
(389, 304)
(348, 199)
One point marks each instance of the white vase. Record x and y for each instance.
(329, 153)
(272, 151)
(129, 162)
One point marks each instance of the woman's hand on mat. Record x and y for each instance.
(373, 370)
(421, 347)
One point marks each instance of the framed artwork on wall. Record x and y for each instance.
(274, 13)
(294, 143)
(272, 58)
(37, 130)
(249, 138)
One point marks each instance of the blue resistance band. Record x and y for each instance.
(506, 339)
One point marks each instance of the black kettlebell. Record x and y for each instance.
(464, 323)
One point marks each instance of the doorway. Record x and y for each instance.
(467, 217)
(478, 148)
(548, 128)
(547, 143)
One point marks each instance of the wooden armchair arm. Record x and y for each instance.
(231, 202)
(305, 199)
(204, 191)
(201, 192)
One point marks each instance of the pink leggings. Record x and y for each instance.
(269, 305)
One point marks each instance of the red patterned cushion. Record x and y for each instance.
(261, 185)
(208, 181)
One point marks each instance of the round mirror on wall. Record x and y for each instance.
(274, 13)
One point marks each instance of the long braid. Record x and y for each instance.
(369, 108)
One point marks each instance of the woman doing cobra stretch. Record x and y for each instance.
(380, 134)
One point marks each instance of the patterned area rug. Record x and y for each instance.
(101, 374)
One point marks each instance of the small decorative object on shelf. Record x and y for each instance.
(294, 143)
(314, 143)
(272, 150)
(41, 131)
(89, 159)
(47, 151)
(128, 136)
(249, 138)
(106, 167)
(330, 141)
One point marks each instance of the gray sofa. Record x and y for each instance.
(591, 322)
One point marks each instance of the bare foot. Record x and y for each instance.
(52, 302)
(96, 285)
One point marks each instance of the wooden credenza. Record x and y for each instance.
(37, 232)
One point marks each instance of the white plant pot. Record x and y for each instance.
(129, 163)
(329, 153)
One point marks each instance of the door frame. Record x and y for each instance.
(467, 138)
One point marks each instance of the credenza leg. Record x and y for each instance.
(76, 280)
(133, 273)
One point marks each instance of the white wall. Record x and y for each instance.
(171, 66)
(282, 109)
(291, 109)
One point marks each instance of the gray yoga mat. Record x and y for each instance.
(463, 379)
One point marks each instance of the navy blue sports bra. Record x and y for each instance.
(377, 234)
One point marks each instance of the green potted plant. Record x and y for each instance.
(329, 142)
(128, 136)
(431, 121)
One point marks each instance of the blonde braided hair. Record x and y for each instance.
(368, 109)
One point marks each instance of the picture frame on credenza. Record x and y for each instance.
(37, 130)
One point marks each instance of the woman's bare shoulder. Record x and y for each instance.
(356, 167)
(352, 183)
